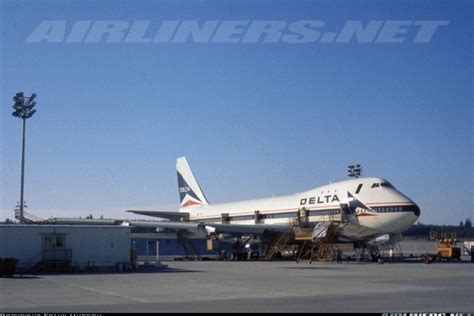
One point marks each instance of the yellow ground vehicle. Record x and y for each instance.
(446, 247)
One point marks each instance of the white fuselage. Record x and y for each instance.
(389, 211)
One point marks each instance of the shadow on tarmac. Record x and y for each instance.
(79, 273)
(313, 268)
(21, 277)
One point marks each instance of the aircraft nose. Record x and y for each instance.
(416, 210)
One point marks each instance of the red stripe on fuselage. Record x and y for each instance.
(366, 214)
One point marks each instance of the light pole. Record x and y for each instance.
(24, 110)
(354, 170)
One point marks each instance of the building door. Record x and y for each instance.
(54, 247)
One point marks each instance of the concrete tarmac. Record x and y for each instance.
(214, 286)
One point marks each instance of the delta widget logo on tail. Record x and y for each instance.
(190, 193)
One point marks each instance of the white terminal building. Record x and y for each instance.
(66, 247)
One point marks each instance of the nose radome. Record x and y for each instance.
(416, 210)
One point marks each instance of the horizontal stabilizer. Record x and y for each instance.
(28, 217)
(172, 216)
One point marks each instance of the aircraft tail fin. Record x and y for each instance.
(190, 193)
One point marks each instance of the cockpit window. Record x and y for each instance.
(382, 184)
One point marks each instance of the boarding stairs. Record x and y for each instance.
(50, 260)
(308, 243)
(282, 243)
(321, 246)
(190, 251)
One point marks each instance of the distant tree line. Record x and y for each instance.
(467, 223)
(464, 230)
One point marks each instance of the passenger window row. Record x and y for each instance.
(324, 212)
(391, 209)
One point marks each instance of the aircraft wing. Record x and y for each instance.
(232, 229)
(172, 216)
(256, 229)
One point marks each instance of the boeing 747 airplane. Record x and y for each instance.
(370, 207)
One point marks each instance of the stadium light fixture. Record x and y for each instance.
(354, 170)
(24, 109)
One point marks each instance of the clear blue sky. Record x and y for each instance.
(253, 120)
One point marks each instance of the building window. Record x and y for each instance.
(53, 242)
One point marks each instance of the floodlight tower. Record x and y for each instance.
(354, 170)
(24, 110)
